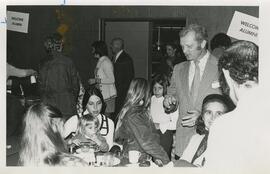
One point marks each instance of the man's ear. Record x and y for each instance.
(203, 44)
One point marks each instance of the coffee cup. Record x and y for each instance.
(134, 156)
(33, 79)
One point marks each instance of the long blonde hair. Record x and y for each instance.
(42, 134)
(138, 95)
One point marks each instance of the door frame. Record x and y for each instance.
(102, 23)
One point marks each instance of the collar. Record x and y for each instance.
(203, 60)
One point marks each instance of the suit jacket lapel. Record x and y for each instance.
(120, 57)
(184, 75)
(210, 71)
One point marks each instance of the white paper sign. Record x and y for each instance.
(17, 21)
(244, 27)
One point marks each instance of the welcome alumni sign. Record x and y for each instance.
(244, 27)
(17, 21)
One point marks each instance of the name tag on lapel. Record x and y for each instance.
(215, 85)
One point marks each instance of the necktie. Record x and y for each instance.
(196, 82)
(114, 58)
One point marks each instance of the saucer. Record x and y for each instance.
(133, 165)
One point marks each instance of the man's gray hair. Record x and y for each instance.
(200, 32)
(118, 39)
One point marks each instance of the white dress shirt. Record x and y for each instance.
(202, 65)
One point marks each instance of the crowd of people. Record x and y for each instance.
(185, 115)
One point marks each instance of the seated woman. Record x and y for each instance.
(214, 105)
(42, 142)
(93, 103)
(135, 129)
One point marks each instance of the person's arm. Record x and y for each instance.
(107, 68)
(183, 163)
(17, 72)
(147, 139)
(129, 71)
(101, 142)
(171, 96)
(171, 90)
(80, 98)
(109, 136)
(75, 81)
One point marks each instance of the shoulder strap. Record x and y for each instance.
(202, 147)
(104, 119)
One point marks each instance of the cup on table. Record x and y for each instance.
(33, 79)
(85, 148)
(100, 160)
(134, 156)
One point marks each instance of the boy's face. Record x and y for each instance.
(90, 129)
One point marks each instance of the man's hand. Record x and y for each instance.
(189, 120)
(168, 100)
(77, 142)
(157, 125)
(29, 72)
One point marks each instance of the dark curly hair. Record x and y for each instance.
(241, 59)
(100, 48)
(225, 100)
(53, 42)
(220, 39)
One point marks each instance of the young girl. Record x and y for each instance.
(214, 106)
(88, 132)
(42, 141)
(135, 129)
(165, 123)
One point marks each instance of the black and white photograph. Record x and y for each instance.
(141, 86)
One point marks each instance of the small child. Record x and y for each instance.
(88, 132)
(165, 123)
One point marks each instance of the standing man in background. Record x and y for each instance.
(191, 82)
(123, 72)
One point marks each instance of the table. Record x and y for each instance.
(123, 161)
(12, 151)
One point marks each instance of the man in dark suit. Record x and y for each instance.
(123, 72)
(191, 82)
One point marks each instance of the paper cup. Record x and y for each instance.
(134, 156)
